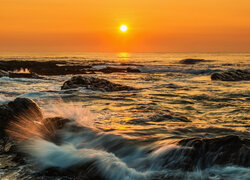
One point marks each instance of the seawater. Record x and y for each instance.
(123, 119)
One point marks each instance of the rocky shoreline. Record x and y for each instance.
(195, 152)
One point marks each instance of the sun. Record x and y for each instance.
(123, 28)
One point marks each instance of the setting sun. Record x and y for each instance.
(123, 28)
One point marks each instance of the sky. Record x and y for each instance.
(153, 25)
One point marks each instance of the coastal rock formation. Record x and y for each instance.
(206, 152)
(193, 61)
(24, 75)
(235, 75)
(48, 68)
(3, 73)
(120, 70)
(18, 107)
(94, 84)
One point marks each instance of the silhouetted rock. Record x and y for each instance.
(193, 61)
(24, 75)
(3, 73)
(18, 107)
(46, 67)
(235, 75)
(133, 70)
(112, 70)
(94, 84)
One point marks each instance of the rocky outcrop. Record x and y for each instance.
(3, 73)
(46, 67)
(201, 153)
(119, 70)
(94, 84)
(193, 61)
(24, 75)
(18, 107)
(235, 75)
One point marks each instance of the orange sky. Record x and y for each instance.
(154, 25)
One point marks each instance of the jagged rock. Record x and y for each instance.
(94, 84)
(193, 61)
(235, 75)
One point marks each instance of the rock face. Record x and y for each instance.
(206, 152)
(237, 75)
(18, 107)
(94, 84)
(193, 61)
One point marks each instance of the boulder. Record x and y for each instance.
(235, 75)
(94, 84)
(193, 61)
(201, 153)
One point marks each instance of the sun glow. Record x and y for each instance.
(123, 28)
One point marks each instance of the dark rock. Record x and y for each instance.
(112, 70)
(193, 61)
(18, 107)
(133, 70)
(45, 67)
(235, 75)
(3, 73)
(24, 75)
(94, 84)
(206, 152)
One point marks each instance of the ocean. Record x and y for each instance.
(134, 135)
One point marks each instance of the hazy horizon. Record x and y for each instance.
(153, 26)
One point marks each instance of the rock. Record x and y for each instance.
(3, 73)
(94, 84)
(24, 75)
(193, 61)
(235, 75)
(18, 107)
(133, 70)
(112, 70)
(207, 152)
(45, 67)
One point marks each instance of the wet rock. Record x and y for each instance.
(133, 70)
(235, 75)
(169, 117)
(46, 67)
(193, 61)
(94, 84)
(112, 70)
(206, 152)
(18, 107)
(24, 75)
(3, 73)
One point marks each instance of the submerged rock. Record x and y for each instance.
(202, 153)
(24, 75)
(235, 75)
(193, 61)
(3, 73)
(120, 70)
(94, 84)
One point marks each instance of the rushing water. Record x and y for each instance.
(123, 127)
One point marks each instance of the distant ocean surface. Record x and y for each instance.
(148, 116)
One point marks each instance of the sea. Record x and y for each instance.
(130, 132)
